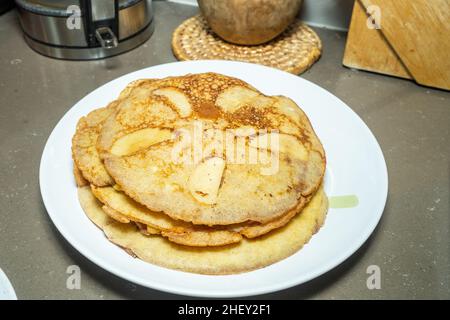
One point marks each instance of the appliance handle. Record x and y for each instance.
(101, 22)
(106, 37)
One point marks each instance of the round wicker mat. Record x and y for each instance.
(294, 51)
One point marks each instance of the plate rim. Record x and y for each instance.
(194, 292)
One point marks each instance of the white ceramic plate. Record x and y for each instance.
(6, 289)
(355, 165)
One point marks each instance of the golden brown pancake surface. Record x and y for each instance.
(214, 188)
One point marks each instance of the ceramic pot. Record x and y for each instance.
(249, 22)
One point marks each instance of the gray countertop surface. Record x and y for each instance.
(411, 244)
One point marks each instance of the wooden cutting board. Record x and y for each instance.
(417, 40)
(367, 49)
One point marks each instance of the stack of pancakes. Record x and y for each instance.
(201, 173)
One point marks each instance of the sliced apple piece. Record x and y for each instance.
(205, 181)
(231, 99)
(288, 107)
(279, 142)
(139, 140)
(245, 131)
(178, 99)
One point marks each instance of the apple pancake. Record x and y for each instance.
(137, 143)
(84, 151)
(88, 164)
(125, 210)
(249, 254)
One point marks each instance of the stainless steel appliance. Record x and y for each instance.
(85, 29)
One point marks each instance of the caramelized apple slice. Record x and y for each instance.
(231, 99)
(178, 99)
(279, 142)
(139, 140)
(205, 181)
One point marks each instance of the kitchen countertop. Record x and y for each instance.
(411, 244)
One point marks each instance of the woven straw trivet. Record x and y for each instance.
(294, 51)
